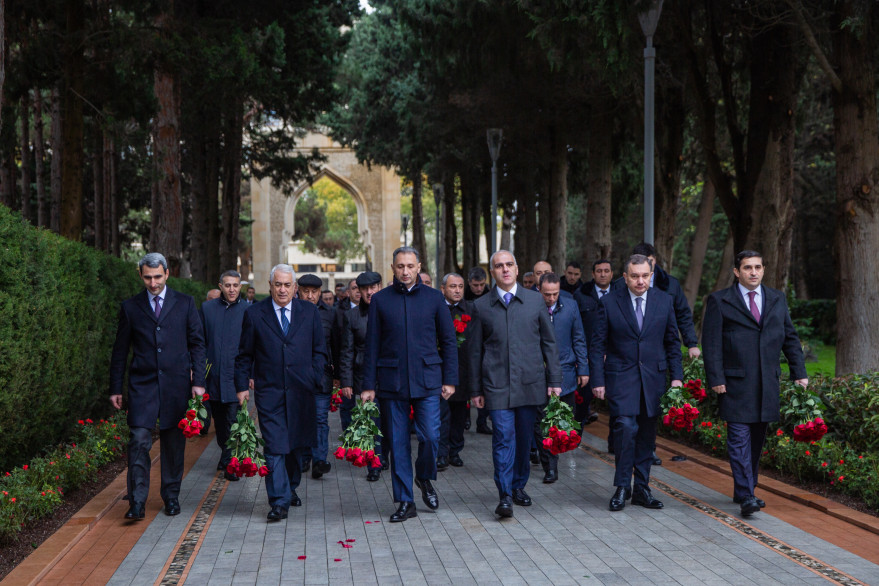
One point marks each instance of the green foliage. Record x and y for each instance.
(798, 405)
(558, 414)
(243, 439)
(852, 408)
(58, 312)
(362, 430)
(32, 491)
(326, 221)
(815, 319)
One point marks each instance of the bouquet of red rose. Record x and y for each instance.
(678, 413)
(697, 391)
(810, 431)
(559, 427)
(460, 324)
(358, 441)
(196, 414)
(247, 459)
(336, 399)
(803, 406)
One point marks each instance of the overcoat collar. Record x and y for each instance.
(271, 319)
(734, 297)
(624, 301)
(170, 299)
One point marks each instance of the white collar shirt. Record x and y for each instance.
(643, 299)
(758, 298)
(161, 297)
(278, 312)
(501, 292)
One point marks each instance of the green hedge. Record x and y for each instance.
(58, 307)
(815, 319)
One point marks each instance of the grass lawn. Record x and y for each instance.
(826, 363)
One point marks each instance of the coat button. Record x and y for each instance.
(161, 372)
(158, 328)
(159, 350)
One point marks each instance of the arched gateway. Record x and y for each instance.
(375, 191)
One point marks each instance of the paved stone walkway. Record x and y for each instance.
(567, 537)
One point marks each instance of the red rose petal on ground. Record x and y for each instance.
(367, 522)
(337, 560)
(302, 557)
(350, 540)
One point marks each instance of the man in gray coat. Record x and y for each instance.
(514, 365)
(745, 329)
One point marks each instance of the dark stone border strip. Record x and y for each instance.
(175, 572)
(795, 555)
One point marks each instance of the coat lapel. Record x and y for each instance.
(733, 297)
(295, 318)
(625, 304)
(268, 315)
(143, 302)
(170, 300)
(769, 300)
(649, 309)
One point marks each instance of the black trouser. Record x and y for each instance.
(547, 460)
(225, 415)
(583, 410)
(172, 445)
(634, 439)
(481, 416)
(453, 414)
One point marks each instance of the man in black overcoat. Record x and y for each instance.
(745, 329)
(162, 330)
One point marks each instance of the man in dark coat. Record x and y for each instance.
(455, 410)
(514, 367)
(587, 298)
(634, 348)
(352, 354)
(162, 330)
(310, 291)
(283, 350)
(570, 281)
(222, 320)
(745, 328)
(411, 362)
(476, 287)
(573, 358)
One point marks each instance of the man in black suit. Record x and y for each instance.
(283, 349)
(310, 290)
(476, 287)
(588, 297)
(412, 363)
(634, 347)
(514, 367)
(571, 281)
(351, 355)
(162, 329)
(454, 411)
(745, 329)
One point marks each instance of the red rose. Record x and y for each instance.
(350, 455)
(263, 471)
(460, 326)
(547, 443)
(360, 461)
(465, 318)
(191, 414)
(340, 453)
(205, 397)
(184, 423)
(666, 420)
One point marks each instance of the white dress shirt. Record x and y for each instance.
(601, 292)
(161, 296)
(643, 302)
(501, 292)
(289, 313)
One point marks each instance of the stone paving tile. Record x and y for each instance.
(566, 537)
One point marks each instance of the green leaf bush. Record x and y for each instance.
(58, 308)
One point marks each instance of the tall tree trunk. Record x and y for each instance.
(699, 245)
(39, 162)
(506, 226)
(115, 244)
(55, 165)
(526, 226)
(672, 118)
(7, 159)
(598, 181)
(544, 213)
(25, 145)
(212, 194)
(469, 221)
(450, 229)
(4, 49)
(418, 241)
(488, 222)
(558, 202)
(99, 193)
(72, 127)
(856, 137)
(109, 187)
(199, 205)
(231, 186)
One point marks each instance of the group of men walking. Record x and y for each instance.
(398, 345)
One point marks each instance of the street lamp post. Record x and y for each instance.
(438, 193)
(405, 219)
(495, 138)
(649, 20)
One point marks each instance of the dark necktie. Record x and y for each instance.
(754, 311)
(639, 315)
(158, 300)
(285, 323)
(507, 298)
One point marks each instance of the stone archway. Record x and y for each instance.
(376, 195)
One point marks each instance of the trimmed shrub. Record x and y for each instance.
(58, 309)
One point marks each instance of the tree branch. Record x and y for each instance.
(812, 42)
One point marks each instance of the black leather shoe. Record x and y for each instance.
(750, 506)
(535, 456)
(456, 461)
(521, 498)
(618, 500)
(467, 423)
(609, 448)
(657, 461)
(277, 513)
(550, 476)
(593, 417)
(230, 477)
(760, 502)
(644, 498)
(428, 493)
(374, 474)
(442, 463)
(484, 429)
(320, 468)
(172, 507)
(136, 511)
(295, 501)
(385, 464)
(405, 511)
(306, 466)
(220, 465)
(505, 507)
